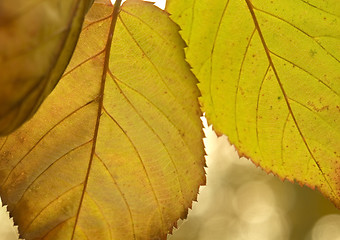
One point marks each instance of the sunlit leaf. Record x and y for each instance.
(37, 39)
(269, 73)
(115, 151)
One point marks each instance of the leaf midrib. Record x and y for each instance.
(114, 17)
(257, 26)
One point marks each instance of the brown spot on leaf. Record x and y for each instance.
(318, 109)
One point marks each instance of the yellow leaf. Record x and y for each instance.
(269, 75)
(115, 151)
(37, 39)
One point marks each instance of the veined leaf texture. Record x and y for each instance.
(115, 151)
(269, 73)
(37, 39)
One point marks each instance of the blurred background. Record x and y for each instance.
(241, 202)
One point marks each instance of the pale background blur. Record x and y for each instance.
(241, 202)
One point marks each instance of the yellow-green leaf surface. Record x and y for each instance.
(37, 39)
(269, 73)
(115, 152)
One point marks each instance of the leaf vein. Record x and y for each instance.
(59, 224)
(238, 82)
(143, 165)
(48, 167)
(154, 132)
(319, 8)
(257, 110)
(156, 107)
(95, 22)
(282, 138)
(107, 49)
(315, 113)
(306, 71)
(49, 204)
(3, 144)
(212, 53)
(83, 62)
(148, 58)
(251, 10)
(302, 31)
(192, 21)
(116, 184)
(146, 24)
(41, 138)
(101, 212)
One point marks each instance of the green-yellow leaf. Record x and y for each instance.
(37, 39)
(269, 73)
(115, 151)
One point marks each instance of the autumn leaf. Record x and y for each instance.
(269, 75)
(115, 151)
(37, 39)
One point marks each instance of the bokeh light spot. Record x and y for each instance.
(327, 227)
